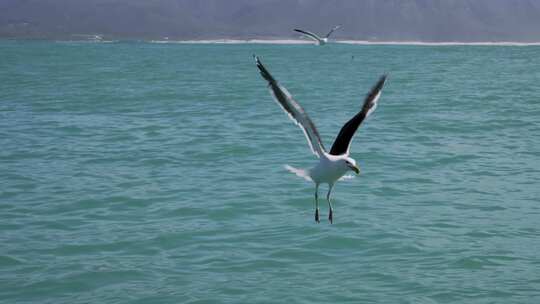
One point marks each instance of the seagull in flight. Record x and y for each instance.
(319, 40)
(332, 165)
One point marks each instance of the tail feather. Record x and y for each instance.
(299, 172)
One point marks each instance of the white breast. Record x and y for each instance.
(327, 171)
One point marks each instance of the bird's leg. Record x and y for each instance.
(317, 204)
(330, 209)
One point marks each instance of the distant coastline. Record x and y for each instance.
(356, 42)
(286, 42)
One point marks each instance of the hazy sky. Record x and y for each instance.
(426, 20)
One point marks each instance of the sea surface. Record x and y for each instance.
(136, 172)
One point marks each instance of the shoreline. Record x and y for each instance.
(352, 42)
(290, 42)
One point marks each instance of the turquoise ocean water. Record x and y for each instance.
(153, 173)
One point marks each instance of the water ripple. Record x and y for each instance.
(142, 173)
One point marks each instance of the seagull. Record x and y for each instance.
(332, 165)
(319, 40)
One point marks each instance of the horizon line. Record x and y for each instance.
(291, 42)
(353, 42)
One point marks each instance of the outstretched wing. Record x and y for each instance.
(309, 34)
(332, 30)
(294, 110)
(343, 140)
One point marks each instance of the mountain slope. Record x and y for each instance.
(424, 20)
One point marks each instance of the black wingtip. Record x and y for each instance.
(381, 82)
(264, 72)
(375, 90)
(258, 62)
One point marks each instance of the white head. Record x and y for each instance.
(350, 164)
